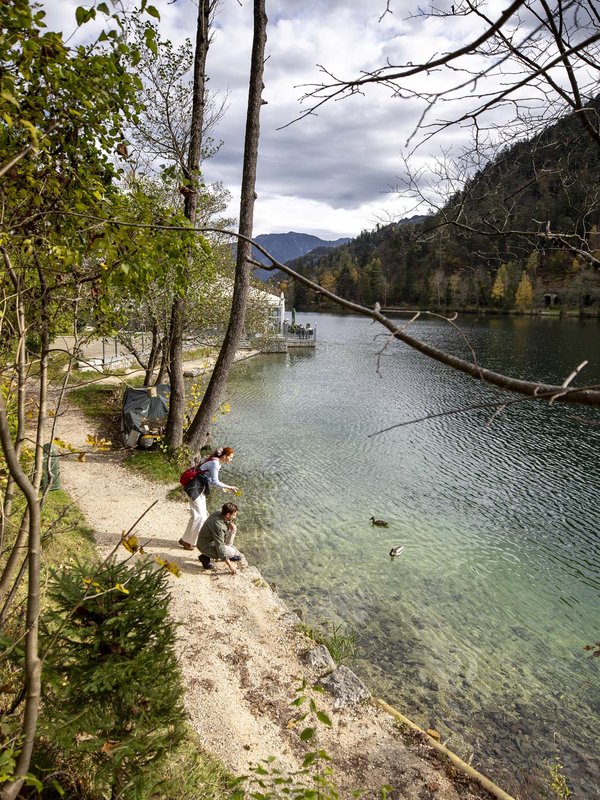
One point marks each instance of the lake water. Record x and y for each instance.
(478, 628)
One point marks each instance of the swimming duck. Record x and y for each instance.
(395, 551)
(381, 523)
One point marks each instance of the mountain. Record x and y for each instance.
(286, 246)
(523, 232)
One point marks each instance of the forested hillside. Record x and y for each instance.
(522, 233)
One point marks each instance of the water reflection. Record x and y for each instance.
(478, 628)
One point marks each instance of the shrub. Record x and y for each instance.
(112, 685)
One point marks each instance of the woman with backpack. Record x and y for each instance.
(209, 471)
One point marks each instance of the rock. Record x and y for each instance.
(345, 686)
(254, 573)
(291, 619)
(320, 658)
(193, 372)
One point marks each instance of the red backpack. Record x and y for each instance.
(189, 474)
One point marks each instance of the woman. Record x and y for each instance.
(210, 468)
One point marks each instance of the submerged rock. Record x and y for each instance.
(345, 686)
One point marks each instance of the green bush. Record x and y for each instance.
(112, 703)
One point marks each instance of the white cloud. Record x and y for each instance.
(328, 173)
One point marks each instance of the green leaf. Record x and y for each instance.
(31, 780)
(9, 98)
(324, 718)
(150, 40)
(103, 8)
(153, 12)
(307, 734)
(298, 701)
(80, 15)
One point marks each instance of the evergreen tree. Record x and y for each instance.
(111, 678)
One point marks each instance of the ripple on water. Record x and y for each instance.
(479, 625)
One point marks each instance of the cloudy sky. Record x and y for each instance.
(331, 173)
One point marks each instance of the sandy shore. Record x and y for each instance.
(241, 658)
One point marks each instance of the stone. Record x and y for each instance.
(320, 658)
(291, 619)
(254, 573)
(345, 686)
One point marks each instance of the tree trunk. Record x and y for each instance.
(174, 432)
(21, 370)
(153, 356)
(33, 667)
(201, 423)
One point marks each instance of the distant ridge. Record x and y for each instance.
(287, 246)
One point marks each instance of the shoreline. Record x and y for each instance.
(242, 658)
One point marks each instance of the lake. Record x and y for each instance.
(477, 629)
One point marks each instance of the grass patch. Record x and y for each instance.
(194, 774)
(97, 401)
(340, 642)
(101, 404)
(136, 381)
(65, 532)
(199, 353)
(154, 465)
(187, 772)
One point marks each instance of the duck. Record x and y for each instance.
(395, 551)
(381, 523)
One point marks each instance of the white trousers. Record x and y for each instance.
(197, 519)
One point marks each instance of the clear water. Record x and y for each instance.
(478, 628)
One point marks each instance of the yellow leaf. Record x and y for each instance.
(172, 568)
(122, 588)
(130, 543)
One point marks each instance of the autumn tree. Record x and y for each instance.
(177, 113)
(58, 167)
(524, 293)
(500, 287)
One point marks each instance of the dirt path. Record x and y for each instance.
(240, 658)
